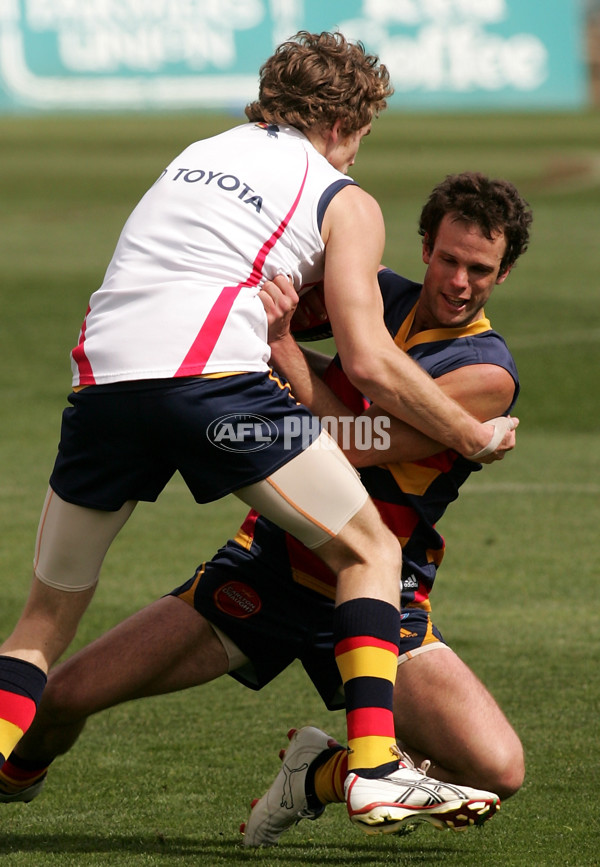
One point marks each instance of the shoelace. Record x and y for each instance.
(403, 757)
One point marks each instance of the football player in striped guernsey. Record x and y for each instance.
(265, 599)
(173, 356)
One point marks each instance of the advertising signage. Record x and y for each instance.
(169, 54)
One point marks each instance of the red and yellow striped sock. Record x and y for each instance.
(21, 687)
(366, 633)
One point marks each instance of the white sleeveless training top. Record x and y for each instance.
(179, 297)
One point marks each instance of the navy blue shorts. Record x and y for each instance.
(274, 620)
(124, 441)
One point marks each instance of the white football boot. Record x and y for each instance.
(286, 802)
(408, 795)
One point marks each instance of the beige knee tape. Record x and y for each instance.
(72, 542)
(312, 496)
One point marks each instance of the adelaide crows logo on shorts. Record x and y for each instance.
(242, 432)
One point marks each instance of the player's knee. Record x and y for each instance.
(372, 543)
(505, 772)
(387, 547)
(513, 774)
(374, 533)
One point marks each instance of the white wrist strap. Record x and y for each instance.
(502, 425)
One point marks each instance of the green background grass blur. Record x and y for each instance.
(518, 596)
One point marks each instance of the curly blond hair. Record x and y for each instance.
(315, 79)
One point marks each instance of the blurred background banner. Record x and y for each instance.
(167, 54)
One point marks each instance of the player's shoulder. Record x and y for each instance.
(355, 212)
(493, 349)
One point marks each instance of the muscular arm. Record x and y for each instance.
(484, 390)
(354, 237)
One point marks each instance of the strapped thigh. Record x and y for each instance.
(235, 657)
(72, 542)
(313, 496)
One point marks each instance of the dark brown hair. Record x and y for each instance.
(493, 205)
(315, 79)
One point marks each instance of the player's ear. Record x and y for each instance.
(336, 131)
(503, 275)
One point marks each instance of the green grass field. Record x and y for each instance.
(168, 780)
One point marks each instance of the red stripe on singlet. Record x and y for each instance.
(86, 374)
(207, 337)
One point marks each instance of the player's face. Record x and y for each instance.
(463, 268)
(343, 153)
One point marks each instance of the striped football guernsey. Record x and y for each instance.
(411, 497)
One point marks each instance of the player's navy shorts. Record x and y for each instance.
(124, 441)
(274, 620)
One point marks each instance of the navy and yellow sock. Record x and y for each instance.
(328, 778)
(21, 687)
(366, 648)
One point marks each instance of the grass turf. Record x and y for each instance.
(169, 779)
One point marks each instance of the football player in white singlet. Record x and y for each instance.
(171, 373)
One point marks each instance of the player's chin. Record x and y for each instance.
(455, 317)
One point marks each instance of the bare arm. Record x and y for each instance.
(354, 236)
(485, 390)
